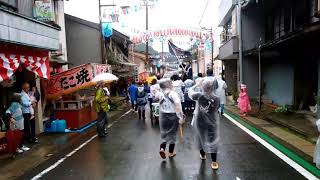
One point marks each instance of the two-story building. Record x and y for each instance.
(29, 31)
(284, 35)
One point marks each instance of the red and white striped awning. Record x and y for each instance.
(35, 61)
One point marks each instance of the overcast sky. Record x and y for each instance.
(166, 13)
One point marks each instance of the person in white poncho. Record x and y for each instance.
(171, 116)
(206, 118)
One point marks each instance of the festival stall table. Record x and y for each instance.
(77, 111)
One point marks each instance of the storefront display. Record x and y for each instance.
(72, 94)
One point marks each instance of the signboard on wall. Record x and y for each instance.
(72, 80)
(43, 10)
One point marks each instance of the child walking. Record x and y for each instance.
(243, 101)
(206, 118)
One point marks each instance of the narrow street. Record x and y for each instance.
(131, 152)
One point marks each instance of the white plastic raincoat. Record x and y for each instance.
(316, 156)
(221, 90)
(170, 112)
(177, 87)
(206, 117)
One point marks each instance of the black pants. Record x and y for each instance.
(32, 129)
(171, 147)
(27, 127)
(213, 155)
(101, 122)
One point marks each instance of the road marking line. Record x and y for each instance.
(237, 178)
(125, 113)
(56, 164)
(278, 153)
(38, 176)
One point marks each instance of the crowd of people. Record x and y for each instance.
(205, 97)
(21, 115)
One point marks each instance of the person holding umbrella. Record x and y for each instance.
(206, 118)
(102, 107)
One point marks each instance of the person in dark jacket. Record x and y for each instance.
(141, 97)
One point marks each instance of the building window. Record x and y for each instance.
(226, 34)
(9, 5)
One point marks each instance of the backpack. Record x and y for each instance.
(208, 105)
(167, 104)
(141, 98)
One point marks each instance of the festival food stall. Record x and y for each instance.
(72, 94)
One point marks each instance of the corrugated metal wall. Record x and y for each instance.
(83, 41)
(25, 7)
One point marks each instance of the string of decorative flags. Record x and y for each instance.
(113, 14)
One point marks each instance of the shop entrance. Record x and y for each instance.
(306, 82)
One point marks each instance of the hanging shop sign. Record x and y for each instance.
(13, 57)
(107, 29)
(143, 76)
(43, 10)
(72, 80)
(170, 32)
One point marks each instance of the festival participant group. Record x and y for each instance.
(204, 97)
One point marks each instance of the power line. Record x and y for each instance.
(205, 8)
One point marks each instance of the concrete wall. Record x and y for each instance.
(253, 27)
(59, 9)
(231, 75)
(140, 64)
(250, 75)
(83, 41)
(25, 7)
(279, 82)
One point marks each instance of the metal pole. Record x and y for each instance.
(147, 38)
(162, 41)
(198, 58)
(240, 41)
(260, 83)
(212, 50)
(103, 60)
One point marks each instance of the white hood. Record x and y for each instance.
(140, 89)
(177, 83)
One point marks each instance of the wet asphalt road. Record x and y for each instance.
(130, 152)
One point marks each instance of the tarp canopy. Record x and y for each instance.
(11, 58)
(72, 80)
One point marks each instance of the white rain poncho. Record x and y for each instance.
(177, 87)
(206, 116)
(170, 112)
(221, 91)
(316, 156)
(188, 84)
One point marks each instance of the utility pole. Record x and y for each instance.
(240, 41)
(147, 37)
(212, 48)
(102, 47)
(161, 54)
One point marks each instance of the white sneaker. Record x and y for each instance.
(25, 148)
(19, 150)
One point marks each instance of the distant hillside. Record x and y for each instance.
(142, 49)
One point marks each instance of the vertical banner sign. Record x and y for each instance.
(43, 10)
(107, 29)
